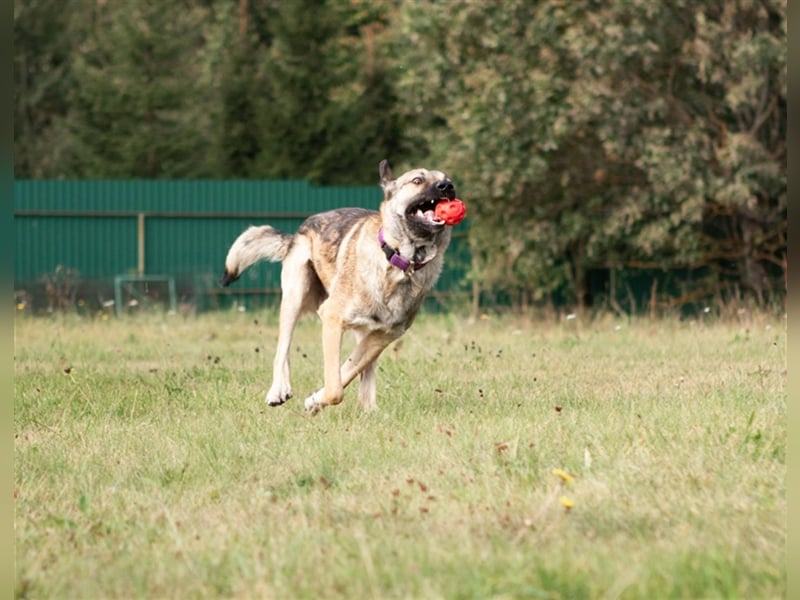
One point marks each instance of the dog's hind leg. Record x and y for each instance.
(368, 382)
(367, 387)
(297, 281)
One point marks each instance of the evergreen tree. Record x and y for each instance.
(135, 109)
(327, 111)
(239, 45)
(238, 136)
(296, 100)
(43, 34)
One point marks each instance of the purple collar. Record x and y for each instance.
(393, 256)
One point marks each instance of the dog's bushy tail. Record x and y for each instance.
(254, 244)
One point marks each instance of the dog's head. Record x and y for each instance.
(412, 197)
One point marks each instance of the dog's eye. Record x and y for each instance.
(417, 180)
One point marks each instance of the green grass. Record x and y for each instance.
(148, 466)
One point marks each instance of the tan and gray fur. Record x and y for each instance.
(335, 265)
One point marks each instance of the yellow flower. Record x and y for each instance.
(565, 477)
(21, 306)
(567, 502)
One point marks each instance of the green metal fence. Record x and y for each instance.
(103, 245)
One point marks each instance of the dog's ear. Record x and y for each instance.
(385, 171)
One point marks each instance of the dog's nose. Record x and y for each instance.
(446, 188)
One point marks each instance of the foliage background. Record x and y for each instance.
(599, 145)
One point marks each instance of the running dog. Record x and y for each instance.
(361, 270)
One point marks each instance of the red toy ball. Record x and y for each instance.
(452, 212)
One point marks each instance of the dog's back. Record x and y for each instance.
(333, 238)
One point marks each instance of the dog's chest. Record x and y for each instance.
(390, 307)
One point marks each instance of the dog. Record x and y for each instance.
(362, 270)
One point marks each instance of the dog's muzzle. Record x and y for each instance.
(424, 209)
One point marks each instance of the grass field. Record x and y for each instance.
(508, 459)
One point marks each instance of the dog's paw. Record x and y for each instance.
(369, 406)
(314, 403)
(276, 399)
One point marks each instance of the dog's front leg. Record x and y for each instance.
(360, 362)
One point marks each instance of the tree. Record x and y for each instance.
(326, 106)
(42, 44)
(738, 55)
(134, 111)
(296, 100)
(590, 134)
(237, 138)
(589, 139)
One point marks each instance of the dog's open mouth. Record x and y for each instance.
(425, 211)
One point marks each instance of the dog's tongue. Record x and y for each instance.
(429, 215)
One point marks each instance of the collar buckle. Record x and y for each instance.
(394, 257)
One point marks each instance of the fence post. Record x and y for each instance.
(140, 244)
